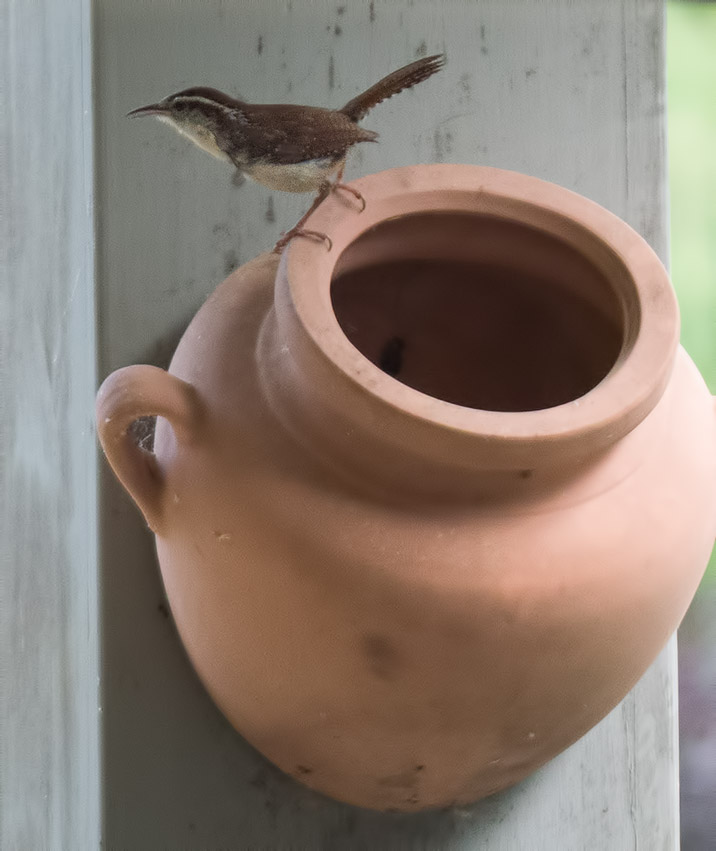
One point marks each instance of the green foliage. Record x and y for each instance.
(691, 89)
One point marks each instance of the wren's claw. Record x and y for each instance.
(349, 188)
(298, 230)
(312, 234)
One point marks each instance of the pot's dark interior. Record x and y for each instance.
(479, 311)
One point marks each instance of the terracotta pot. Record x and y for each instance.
(428, 504)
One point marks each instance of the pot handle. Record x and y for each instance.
(126, 395)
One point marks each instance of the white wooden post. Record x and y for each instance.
(50, 781)
(567, 90)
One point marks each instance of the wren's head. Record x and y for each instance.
(199, 113)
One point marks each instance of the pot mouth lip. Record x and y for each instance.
(613, 407)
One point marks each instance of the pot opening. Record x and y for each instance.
(480, 311)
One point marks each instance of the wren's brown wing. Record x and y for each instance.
(286, 133)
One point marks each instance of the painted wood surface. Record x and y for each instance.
(568, 90)
(49, 652)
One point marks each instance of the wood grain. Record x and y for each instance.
(49, 644)
(568, 91)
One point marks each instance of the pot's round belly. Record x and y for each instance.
(403, 659)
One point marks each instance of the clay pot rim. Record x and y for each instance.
(611, 409)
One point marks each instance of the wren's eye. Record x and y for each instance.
(180, 106)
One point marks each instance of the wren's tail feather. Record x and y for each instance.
(403, 78)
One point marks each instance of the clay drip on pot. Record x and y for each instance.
(502, 330)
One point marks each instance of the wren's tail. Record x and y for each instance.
(403, 78)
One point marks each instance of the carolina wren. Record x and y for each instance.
(284, 146)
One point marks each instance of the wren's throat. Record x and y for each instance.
(202, 136)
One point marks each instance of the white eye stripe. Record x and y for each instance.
(190, 102)
(198, 100)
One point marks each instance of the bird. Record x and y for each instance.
(285, 147)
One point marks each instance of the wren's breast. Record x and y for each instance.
(293, 177)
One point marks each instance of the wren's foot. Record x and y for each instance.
(348, 188)
(298, 231)
(324, 191)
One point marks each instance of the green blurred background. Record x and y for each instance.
(691, 88)
(691, 94)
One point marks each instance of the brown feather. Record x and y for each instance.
(286, 133)
(207, 93)
(403, 78)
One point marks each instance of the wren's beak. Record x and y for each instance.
(151, 109)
